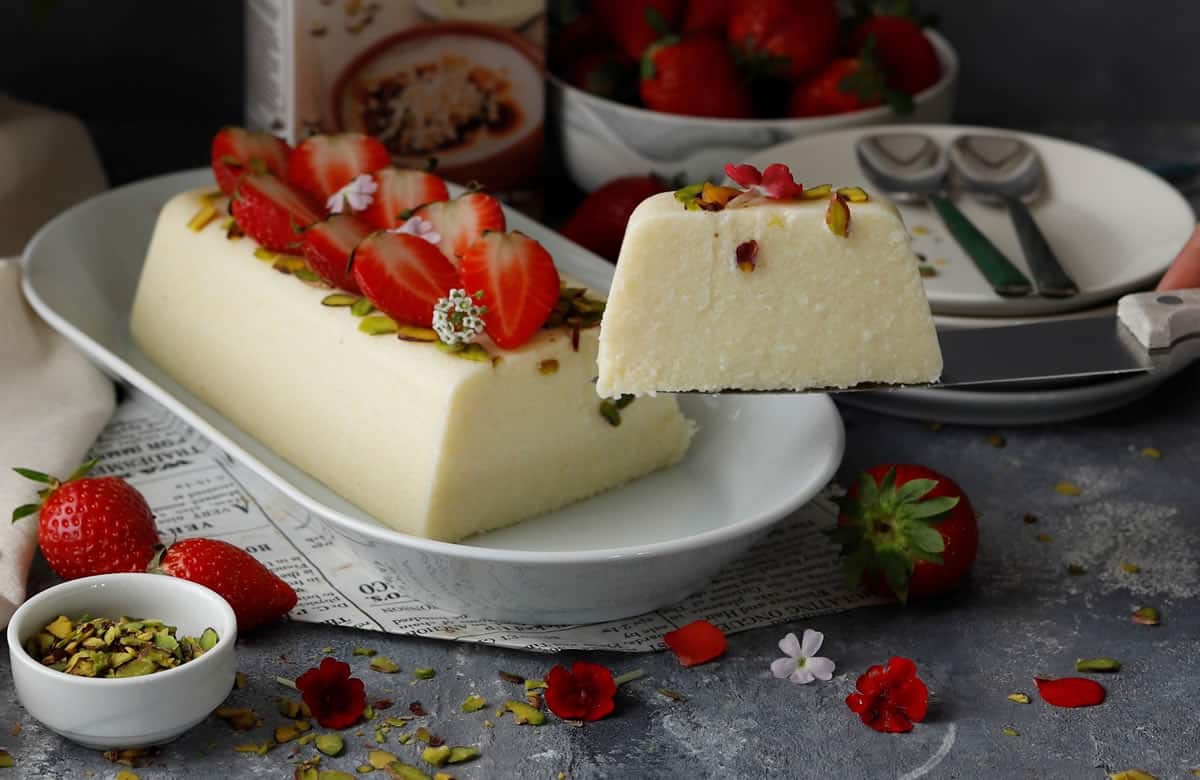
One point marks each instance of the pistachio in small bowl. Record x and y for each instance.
(124, 647)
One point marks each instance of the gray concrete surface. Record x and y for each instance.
(1021, 614)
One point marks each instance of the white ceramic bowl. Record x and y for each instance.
(128, 712)
(602, 139)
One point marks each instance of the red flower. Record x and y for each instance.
(336, 699)
(890, 698)
(1070, 691)
(584, 693)
(696, 643)
(775, 182)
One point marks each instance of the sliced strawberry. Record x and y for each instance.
(519, 283)
(328, 246)
(272, 212)
(403, 276)
(323, 164)
(400, 190)
(236, 151)
(462, 220)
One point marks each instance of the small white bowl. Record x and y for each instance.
(129, 712)
(602, 139)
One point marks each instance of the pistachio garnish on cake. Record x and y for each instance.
(411, 372)
(767, 285)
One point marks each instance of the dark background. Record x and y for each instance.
(153, 80)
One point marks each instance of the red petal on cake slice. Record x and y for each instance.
(461, 221)
(236, 151)
(328, 246)
(519, 282)
(403, 276)
(323, 164)
(273, 213)
(400, 190)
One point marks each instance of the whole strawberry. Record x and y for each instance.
(635, 24)
(845, 84)
(906, 56)
(255, 593)
(598, 223)
(694, 75)
(906, 530)
(91, 525)
(790, 38)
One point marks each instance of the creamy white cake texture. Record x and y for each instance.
(427, 442)
(817, 309)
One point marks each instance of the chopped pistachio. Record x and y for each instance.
(339, 299)
(819, 192)
(364, 769)
(1132, 774)
(443, 776)
(206, 214)
(854, 194)
(1152, 452)
(363, 651)
(398, 770)
(462, 753)
(377, 325)
(290, 264)
(1130, 568)
(258, 748)
(487, 724)
(1146, 616)
(534, 699)
(1067, 489)
(308, 770)
(670, 694)
(362, 307)
(548, 367)
(6, 759)
(423, 673)
(124, 774)
(1019, 698)
(240, 718)
(512, 678)
(413, 333)
(474, 703)
(1011, 732)
(330, 744)
(996, 440)
(286, 733)
(239, 680)
(523, 713)
(381, 735)
(326, 650)
(436, 756)
(288, 683)
(1047, 538)
(424, 735)
(533, 684)
(308, 738)
(1097, 665)
(628, 677)
(384, 664)
(288, 708)
(397, 721)
(837, 216)
(266, 255)
(380, 758)
(405, 738)
(368, 712)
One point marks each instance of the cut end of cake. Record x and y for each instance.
(793, 294)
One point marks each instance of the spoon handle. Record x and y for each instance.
(1052, 280)
(1006, 279)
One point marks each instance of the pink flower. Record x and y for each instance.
(775, 182)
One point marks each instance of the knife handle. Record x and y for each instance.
(1159, 319)
(1006, 279)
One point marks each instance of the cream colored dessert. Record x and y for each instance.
(429, 443)
(813, 309)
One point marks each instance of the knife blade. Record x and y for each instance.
(1155, 331)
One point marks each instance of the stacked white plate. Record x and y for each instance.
(1114, 226)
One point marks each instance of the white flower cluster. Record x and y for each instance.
(457, 318)
(358, 193)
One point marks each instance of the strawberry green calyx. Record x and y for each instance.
(51, 483)
(884, 530)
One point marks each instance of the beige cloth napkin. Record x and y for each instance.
(53, 404)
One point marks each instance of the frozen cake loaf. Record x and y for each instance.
(440, 412)
(770, 287)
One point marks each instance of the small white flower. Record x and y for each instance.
(357, 195)
(457, 318)
(421, 228)
(801, 665)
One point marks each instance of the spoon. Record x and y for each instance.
(1003, 169)
(911, 168)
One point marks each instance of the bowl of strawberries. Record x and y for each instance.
(678, 88)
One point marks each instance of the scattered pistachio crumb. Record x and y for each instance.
(1152, 452)
(1019, 698)
(239, 680)
(670, 694)
(308, 738)
(362, 769)
(510, 677)
(436, 756)
(405, 738)
(261, 748)
(423, 673)
(380, 758)
(536, 685)
(562, 776)
(474, 703)
(487, 724)
(1134, 774)
(1097, 665)
(443, 776)
(1130, 568)
(385, 665)
(1011, 732)
(363, 651)
(1045, 538)
(523, 713)
(125, 774)
(628, 677)
(1067, 489)
(326, 650)
(996, 440)
(330, 744)
(1146, 616)
(6, 760)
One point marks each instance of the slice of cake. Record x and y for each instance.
(435, 431)
(773, 287)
